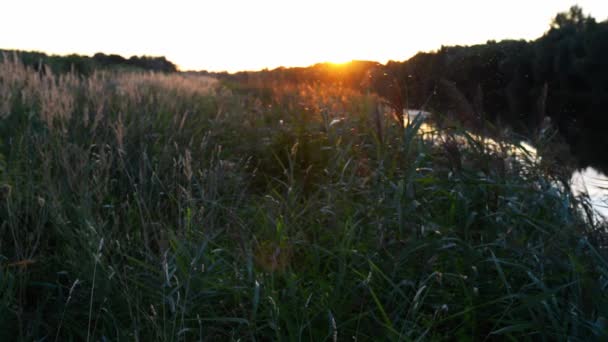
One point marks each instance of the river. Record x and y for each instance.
(595, 184)
(589, 180)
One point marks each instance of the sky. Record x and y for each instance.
(235, 35)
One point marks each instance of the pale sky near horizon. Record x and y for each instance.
(237, 35)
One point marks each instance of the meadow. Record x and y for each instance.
(172, 207)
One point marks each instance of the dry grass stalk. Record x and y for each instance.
(54, 97)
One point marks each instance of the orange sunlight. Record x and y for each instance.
(339, 65)
(237, 35)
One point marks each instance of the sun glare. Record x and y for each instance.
(340, 64)
(242, 35)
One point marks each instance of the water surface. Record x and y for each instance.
(588, 180)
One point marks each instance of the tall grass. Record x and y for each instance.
(153, 207)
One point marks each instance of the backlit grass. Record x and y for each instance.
(164, 207)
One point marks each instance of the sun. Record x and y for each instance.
(340, 64)
(339, 58)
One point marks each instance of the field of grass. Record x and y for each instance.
(155, 207)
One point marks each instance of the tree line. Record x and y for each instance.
(85, 65)
(562, 75)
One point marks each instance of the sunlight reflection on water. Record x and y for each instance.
(595, 184)
(588, 180)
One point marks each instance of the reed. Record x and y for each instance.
(228, 215)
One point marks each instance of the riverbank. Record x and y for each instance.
(154, 211)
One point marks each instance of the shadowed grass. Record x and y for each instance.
(158, 209)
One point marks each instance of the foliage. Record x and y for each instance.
(169, 207)
(84, 65)
(562, 76)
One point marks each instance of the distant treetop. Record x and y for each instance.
(85, 65)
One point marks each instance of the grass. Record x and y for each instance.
(165, 207)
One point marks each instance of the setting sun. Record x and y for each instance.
(340, 64)
(246, 35)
